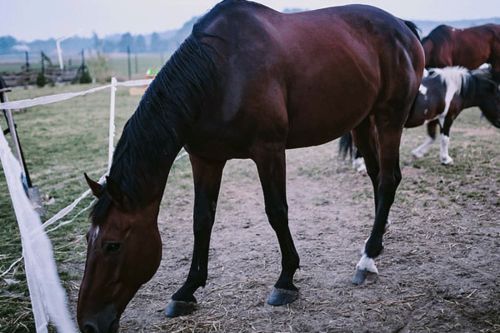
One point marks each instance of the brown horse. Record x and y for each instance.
(249, 82)
(470, 48)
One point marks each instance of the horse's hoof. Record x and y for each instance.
(361, 275)
(282, 296)
(179, 308)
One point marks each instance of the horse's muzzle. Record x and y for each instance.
(106, 321)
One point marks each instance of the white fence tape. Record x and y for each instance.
(111, 123)
(27, 103)
(48, 298)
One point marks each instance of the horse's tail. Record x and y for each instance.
(414, 28)
(346, 145)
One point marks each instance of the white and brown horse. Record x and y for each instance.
(443, 95)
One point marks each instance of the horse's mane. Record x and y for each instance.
(456, 76)
(154, 134)
(438, 35)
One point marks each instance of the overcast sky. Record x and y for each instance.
(41, 19)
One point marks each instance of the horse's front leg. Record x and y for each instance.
(272, 174)
(207, 178)
(444, 157)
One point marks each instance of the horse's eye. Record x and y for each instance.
(112, 247)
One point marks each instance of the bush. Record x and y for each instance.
(85, 77)
(41, 80)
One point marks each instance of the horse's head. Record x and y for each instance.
(487, 95)
(123, 252)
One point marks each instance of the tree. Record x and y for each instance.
(96, 42)
(6, 43)
(155, 42)
(126, 41)
(140, 44)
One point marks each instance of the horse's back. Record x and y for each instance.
(311, 75)
(469, 47)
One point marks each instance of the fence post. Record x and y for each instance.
(129, 64)
(15, 141)
(111, 123)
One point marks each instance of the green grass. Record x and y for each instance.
(61, 141)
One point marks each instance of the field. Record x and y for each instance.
(439, 272)
(116, 63)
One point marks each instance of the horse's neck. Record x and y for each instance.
(143, 160)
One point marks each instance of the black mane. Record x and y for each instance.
(155, 133)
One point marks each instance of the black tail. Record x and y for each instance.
(413, 27)
(346, 145)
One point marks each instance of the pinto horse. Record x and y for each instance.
(444, 93)
(447, 46)
(249, 82)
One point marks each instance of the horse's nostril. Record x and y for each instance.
(90, 328)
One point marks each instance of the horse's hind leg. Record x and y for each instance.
(388, 134)
(207, 178)
(271, 167)
(365, 138)
(421, 150)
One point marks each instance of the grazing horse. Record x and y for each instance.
(249, 82)
(443, 94)
(447, 46)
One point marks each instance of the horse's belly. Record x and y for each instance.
(327, 114)
(319, 129)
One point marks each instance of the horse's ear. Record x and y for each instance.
(115, 192)
(95, 187)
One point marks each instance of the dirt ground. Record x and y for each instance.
(439, 272)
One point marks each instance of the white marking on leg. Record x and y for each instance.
(359, 164)
(443, 155)
(367, 264)
(422, 89)
(421, 150)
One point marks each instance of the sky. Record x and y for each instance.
(41, 19)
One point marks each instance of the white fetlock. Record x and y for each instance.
(367, 264)
(421, 150)
(417, 153)
(359, 164)
(446, 160)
